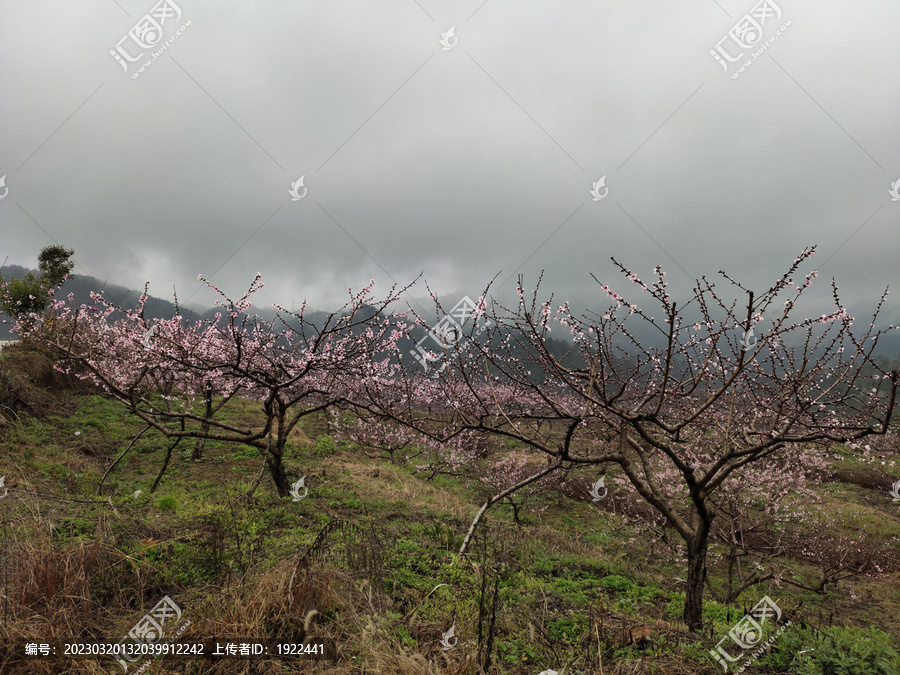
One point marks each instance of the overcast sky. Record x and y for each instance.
(461, 159)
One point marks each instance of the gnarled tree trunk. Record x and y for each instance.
(697, 547)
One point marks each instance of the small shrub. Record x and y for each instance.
(325, 446)
(247, 453)
(619, 585)
(835, 651)
(167, 503)
(444, 536)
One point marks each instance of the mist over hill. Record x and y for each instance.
(81, 287)
(559, 344)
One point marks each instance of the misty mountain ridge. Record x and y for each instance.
(81, 287)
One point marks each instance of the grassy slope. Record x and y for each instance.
(578, 580)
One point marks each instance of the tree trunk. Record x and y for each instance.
(276, 468)
(165, 463)
(204, 425)
(697, 548)
(197, 454)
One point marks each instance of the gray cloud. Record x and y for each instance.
(458, 163)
